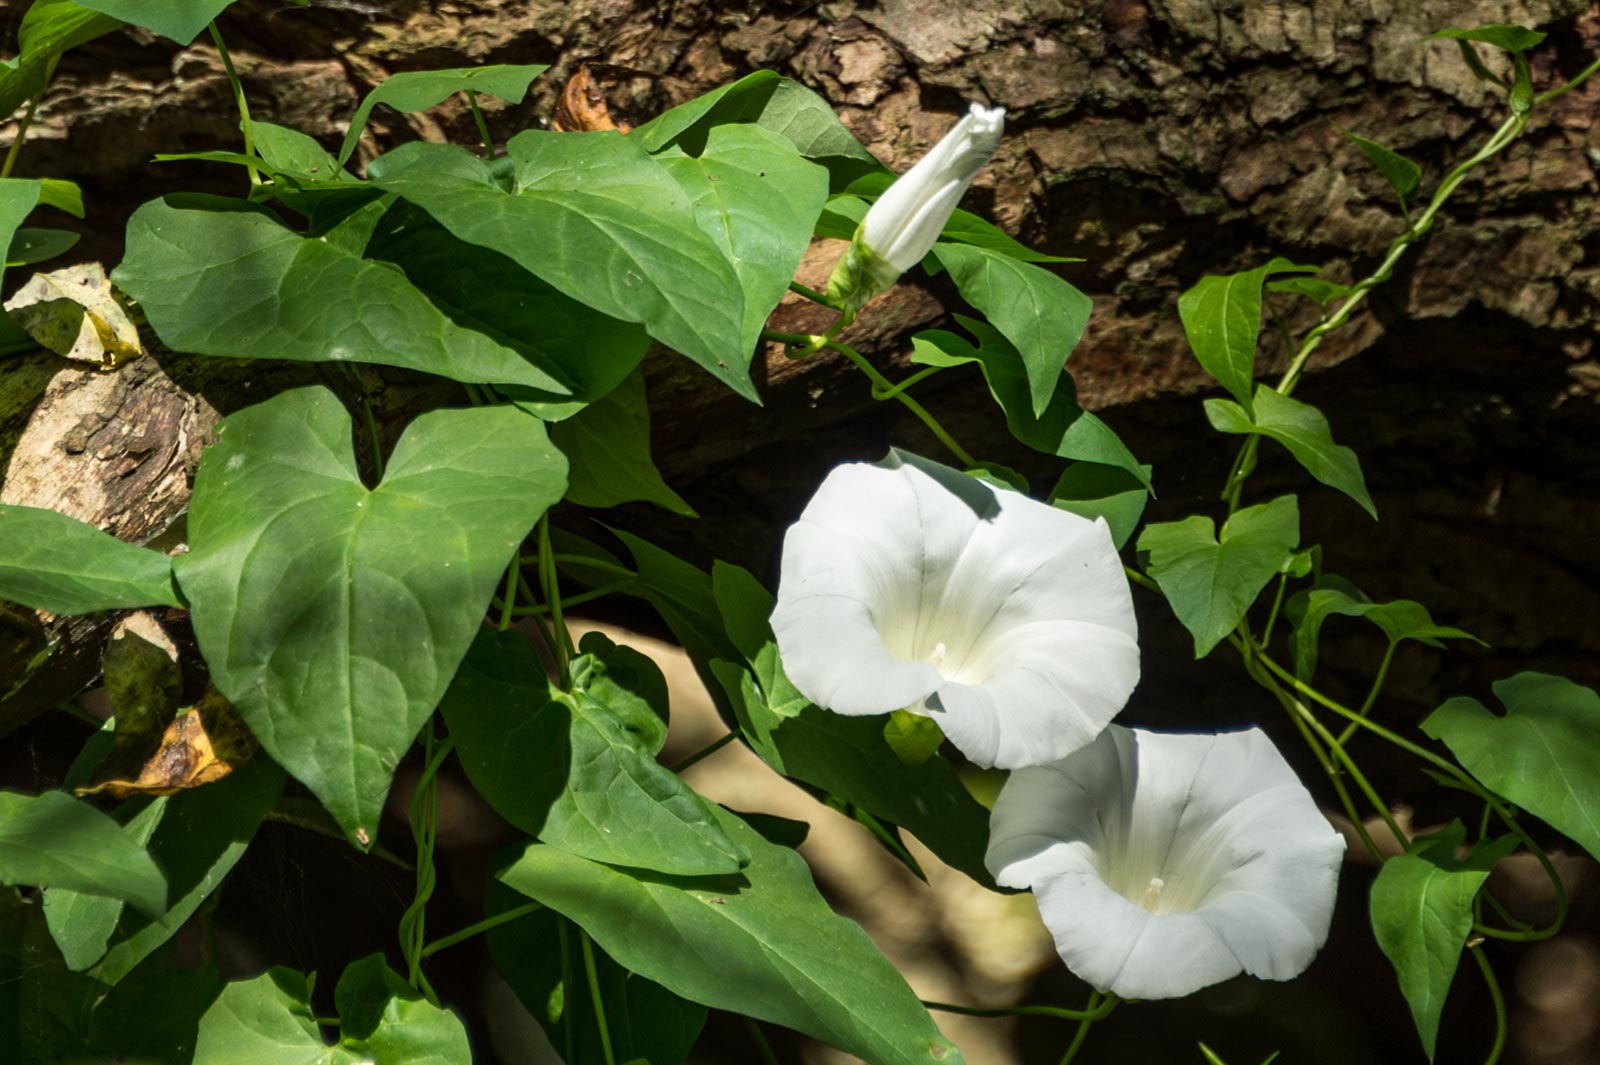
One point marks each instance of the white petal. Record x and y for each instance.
(903, 223)
(910, 580)
(1119, 947)
(1055, 686)
(854, 576)
(1042, 614)
(1214, 833)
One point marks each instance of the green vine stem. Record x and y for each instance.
(1451, 776)
(810, 293)
(564, 942)
(594, 994)
(483, 126)
(1140, 579)
(881, 394)
(1330, 766)
(759, 1038)
(27, 119)
(507, 605)
(598, 564)
(1277, 606)
(424, 831)
(1244, 463)
(883, 384)
(541, 621)
(540, 609)
(1099, 1006)
(561, 644)
(485, 925)
(1499, 1045)
(373, 438)
(1367, 704)
(1560, 90)
(1083, 1026)
(239, 101)
(705, 752)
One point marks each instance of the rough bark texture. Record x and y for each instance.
(1160, 140)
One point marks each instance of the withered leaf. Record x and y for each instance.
(582, 107)
(202, 745)
(73, 312)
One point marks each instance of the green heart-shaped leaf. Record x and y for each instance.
(333, 615)
(756, 198)
(271, 293)
(418, 90)
(1222, 319)
(1038, 312)
(1543, 754)
(49, 561)
(1211, 583)
(1064, 429)
(1401, 619)
(56, 839)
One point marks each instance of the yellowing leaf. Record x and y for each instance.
(73, 312)
(201, 746)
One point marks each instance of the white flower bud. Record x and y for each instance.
(905, 221)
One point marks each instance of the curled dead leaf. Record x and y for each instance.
(202, 745)
(582, 107)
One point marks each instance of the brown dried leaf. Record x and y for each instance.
(201, 746)
(582, 107)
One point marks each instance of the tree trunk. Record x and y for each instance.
(1158, 139)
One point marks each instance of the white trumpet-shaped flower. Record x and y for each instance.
(909, 585)
(904, 222)
(1165, 863)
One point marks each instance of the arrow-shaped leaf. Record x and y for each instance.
(333, 615)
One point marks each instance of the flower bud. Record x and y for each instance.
(905, 221)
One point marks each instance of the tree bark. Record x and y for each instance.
(1160, 140)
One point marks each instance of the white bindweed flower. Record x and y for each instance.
(1164, 863)
(909, 585)
(904, 222)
